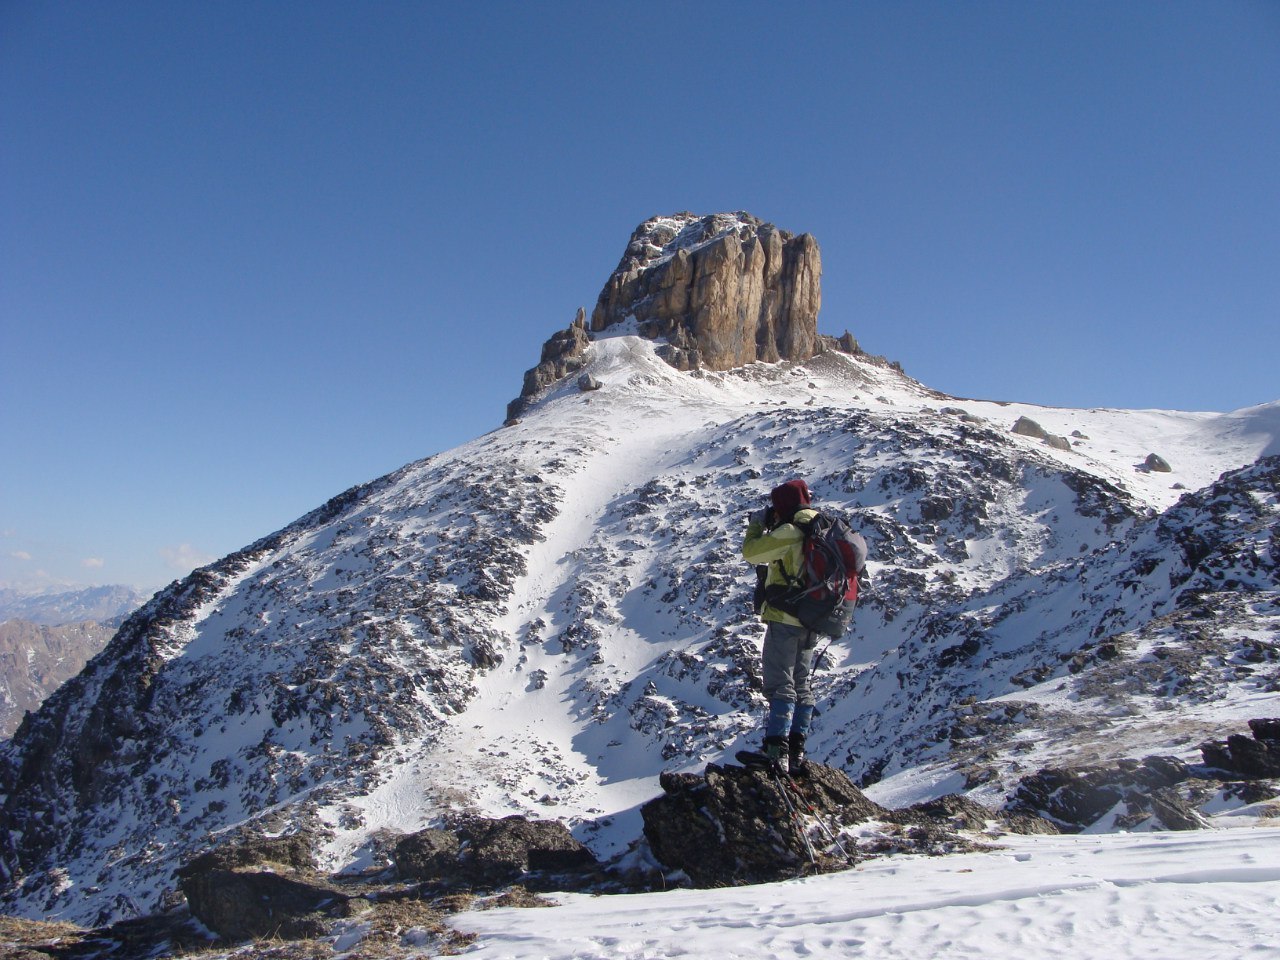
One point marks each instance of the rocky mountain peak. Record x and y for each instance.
(717, 291)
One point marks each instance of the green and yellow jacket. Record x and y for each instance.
(782, 549)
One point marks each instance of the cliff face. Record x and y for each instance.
(723, 290)
(718, 291)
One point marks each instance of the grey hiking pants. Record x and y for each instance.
(788, 666)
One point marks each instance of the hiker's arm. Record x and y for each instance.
(761, 546)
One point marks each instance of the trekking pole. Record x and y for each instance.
(832, 837)
(795, 815)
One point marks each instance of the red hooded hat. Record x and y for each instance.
(788, 498)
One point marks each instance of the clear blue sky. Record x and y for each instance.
(254, 253)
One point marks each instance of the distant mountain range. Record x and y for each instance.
(36, 659)
(103, 604)
(46, 638)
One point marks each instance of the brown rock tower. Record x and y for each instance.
(717, 291)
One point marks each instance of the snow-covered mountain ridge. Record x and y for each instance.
(543, 619)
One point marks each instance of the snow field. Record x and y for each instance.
(1209, 896)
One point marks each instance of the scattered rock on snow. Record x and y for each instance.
(1077, 797)
(1156, 464)
(1157, 792)
(1027, 427)
(961, 813)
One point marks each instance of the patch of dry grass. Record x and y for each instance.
(36, 939)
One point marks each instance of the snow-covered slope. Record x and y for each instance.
(1207, 895)
(543, 619)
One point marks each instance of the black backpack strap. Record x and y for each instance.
(784, 596)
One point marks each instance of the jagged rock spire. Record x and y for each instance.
(719, 291)
(723, 290)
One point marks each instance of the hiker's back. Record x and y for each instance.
(835, 557)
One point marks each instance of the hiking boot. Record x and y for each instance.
(775, 748)
(795, 752)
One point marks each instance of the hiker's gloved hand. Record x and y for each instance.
(759, 517)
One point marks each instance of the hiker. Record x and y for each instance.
(774, 539)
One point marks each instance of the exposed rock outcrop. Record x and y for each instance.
(485, 854)
(1155, 791)
(724, 290)
(1026, 427)
(1256, 757)
(563, 354)
(735, 825)
(731, 825)
(266, 888)
(719, 291)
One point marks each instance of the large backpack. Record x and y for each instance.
(823, 596)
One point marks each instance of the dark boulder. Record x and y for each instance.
(262, 888)
(502, 851)
(830, 791)
(487, 854)
(1027, 427)
(732, 825)
(1251, 758)
(427, 855)
(1266, 729)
